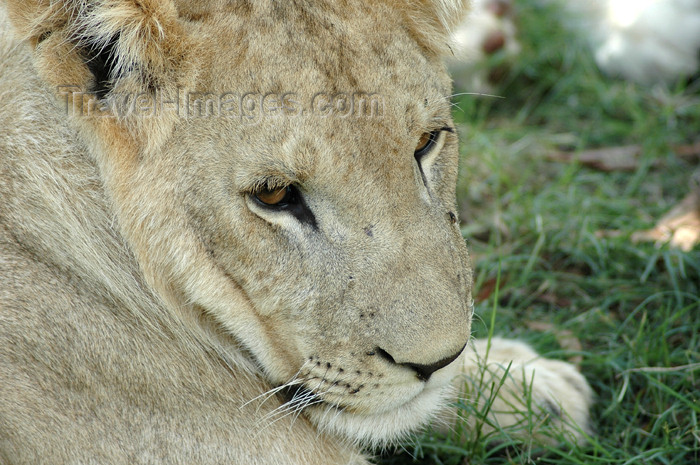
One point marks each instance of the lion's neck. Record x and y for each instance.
(52, 197)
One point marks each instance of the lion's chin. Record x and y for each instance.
(383, 427)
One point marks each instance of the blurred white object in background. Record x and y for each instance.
(646, 41)
(487, 31)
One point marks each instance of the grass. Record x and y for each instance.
(532, 225)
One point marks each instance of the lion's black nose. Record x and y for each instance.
(423, 372)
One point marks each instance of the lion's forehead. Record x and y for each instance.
(299, 50)
(335, 92)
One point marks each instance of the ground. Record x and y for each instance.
(554, 256)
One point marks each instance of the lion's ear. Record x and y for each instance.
(431, 22)
(103, 58)
(101, 45)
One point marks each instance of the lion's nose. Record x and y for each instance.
(423, 372)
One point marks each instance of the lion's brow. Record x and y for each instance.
(269, 173)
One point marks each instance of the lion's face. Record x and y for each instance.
(336, 227)
(326, 244)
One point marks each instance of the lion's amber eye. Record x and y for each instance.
(425, 139)
(272, 197)
(425, 143)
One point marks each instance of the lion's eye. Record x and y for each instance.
(274, 197)
(425, 143)
(282, 200)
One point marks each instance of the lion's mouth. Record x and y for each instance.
(302, 397)
(299, 397)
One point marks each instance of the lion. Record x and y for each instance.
(228, 234)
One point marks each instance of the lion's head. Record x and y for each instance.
(284, 171)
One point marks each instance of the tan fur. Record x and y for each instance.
(149, 307)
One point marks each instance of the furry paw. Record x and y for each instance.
(516, 390)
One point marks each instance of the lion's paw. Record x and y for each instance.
(516, 390)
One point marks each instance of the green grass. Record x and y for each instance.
(634, 308)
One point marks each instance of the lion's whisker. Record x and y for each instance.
(269, 393)
(291, 410)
